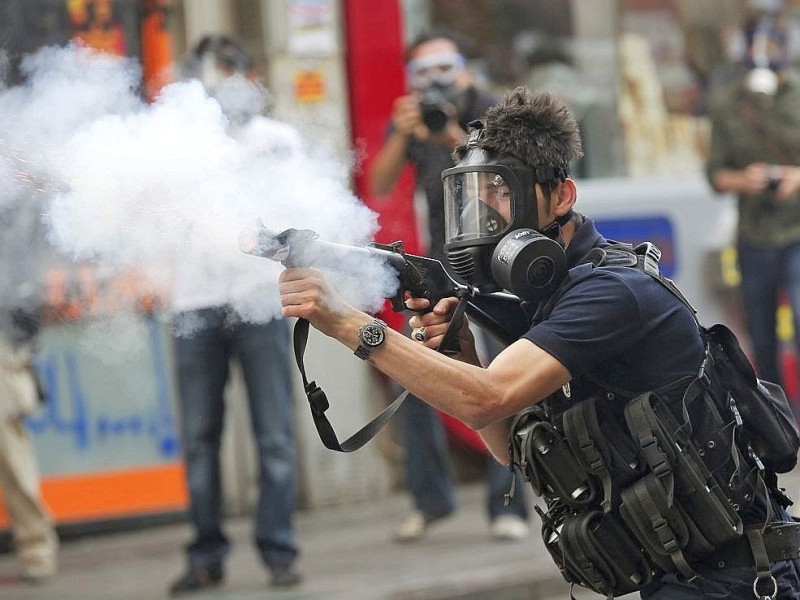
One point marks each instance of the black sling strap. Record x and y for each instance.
(318, 401)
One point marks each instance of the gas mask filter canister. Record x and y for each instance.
(528, 264)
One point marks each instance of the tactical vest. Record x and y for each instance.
(635, 486)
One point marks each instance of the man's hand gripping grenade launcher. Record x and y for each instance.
(419, 276)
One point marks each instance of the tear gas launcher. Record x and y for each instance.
(421, 277)
(498, 313)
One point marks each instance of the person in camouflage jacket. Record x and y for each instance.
(755, 153)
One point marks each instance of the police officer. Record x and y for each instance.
(615, 324)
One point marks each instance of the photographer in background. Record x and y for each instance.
(755, 153)
(426, 126)
(429, 122)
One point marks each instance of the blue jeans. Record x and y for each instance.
(205, 342)
(428, 473)
(765, 271)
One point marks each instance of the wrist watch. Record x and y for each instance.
(370, 335)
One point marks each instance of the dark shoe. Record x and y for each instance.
(197, 579)
(285, 577)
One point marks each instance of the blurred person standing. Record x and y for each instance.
(426, 125)
(34, 536)
(755, 153)
(209, 333)
(22, 252)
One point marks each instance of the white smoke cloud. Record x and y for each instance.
(165, 187)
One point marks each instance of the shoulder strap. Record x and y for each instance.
(645, 257)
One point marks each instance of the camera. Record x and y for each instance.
(432, 106)
(773, 184)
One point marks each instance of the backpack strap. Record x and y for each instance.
(645, 257)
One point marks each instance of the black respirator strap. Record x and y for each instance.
(551, 174)
(553, 231)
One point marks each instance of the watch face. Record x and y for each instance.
(372, 335)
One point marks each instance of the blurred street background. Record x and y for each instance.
(637, 75)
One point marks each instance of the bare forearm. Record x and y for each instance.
(495, 436)
(452, 386)
(388, 164)
(729, 180)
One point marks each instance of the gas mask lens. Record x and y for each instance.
(477, 204)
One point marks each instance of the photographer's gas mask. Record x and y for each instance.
(434, 76)
(768, 56)
(493, 238)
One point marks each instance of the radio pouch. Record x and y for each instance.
(547, 461)
(602, 447)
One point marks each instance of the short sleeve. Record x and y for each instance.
(596, 318)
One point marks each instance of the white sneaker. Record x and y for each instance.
(509, 528)
(411, 529)
(415, 526)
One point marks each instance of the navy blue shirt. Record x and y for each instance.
(619, 324)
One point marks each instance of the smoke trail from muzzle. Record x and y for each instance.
(166, 187)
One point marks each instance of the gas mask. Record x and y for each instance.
(493, 239)
(768, 56)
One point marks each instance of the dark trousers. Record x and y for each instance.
(205, 342)
(765, 271)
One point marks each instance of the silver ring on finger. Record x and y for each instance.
(419, 334)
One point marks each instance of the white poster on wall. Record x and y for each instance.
(312, 28)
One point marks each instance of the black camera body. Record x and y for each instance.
(773, 184)
(432, 104)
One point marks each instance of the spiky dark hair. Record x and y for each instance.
(535, 127)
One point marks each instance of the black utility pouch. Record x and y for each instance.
(659, 524)
(547, 461)
(678, 507)
(769, 423)
(710, 422)
(602, 556)
(602, 447)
